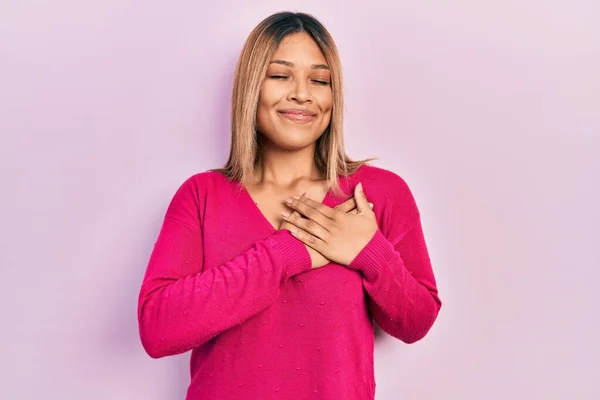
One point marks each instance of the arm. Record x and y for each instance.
(181, 307)
(398, 276)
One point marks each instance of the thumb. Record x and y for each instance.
(362, 204)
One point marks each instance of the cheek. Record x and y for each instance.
(326, 101)
(265, 103)
(262, 117)
(270, 94)
(327, 108)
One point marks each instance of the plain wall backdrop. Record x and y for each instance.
(490, 110)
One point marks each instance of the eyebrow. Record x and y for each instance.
(291, 64)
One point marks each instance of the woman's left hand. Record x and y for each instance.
(337, 235)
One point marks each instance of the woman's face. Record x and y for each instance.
(295, 100)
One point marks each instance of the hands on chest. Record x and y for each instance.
(331, 234)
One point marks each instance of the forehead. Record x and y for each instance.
(299, 48)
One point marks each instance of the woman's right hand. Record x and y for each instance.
(317, 259)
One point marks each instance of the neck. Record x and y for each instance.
(285, 168)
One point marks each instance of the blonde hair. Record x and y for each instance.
(251, 68)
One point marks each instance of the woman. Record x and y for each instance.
(272, 269)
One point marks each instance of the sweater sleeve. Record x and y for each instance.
(397, 272)
(182, 306)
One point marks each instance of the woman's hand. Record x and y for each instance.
(338, 236)
(318, 260)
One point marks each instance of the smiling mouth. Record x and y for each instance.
(298, 117)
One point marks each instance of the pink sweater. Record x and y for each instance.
(260, 323)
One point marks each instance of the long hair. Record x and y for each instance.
(330, 156)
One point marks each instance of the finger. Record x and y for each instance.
(306, 225)
(355, 210)
(361, 200)
(308, 239)
(346, 206)
(296, 219)
(296, 213)
(311, 209)
(293, 212)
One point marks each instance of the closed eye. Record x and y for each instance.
(317, 81)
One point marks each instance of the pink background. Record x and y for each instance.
(489, 109)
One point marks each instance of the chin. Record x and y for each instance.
(294, 144)
(295, 140)
(291, 137)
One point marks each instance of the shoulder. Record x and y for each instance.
(189, 202)
(196, 188)
(383, 182)
(202, 182)
(378, 173)
(389, 191)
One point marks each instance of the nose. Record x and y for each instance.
(300, 91)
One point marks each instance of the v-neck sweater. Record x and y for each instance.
(261, 324)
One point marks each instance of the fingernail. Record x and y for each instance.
(296, 197)
(371, 205)
(289, 201)
(285, 215)
(360, 186)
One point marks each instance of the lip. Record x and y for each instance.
(297, 111)
(298, 115)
